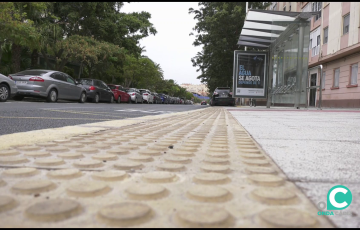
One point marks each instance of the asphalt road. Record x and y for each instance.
(35, 114)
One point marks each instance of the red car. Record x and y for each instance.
(120, 94)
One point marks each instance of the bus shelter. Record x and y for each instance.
(283, 38)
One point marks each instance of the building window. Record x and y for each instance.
(316, 6)
(315, 49)
(326, 32)
(310, 44)
(354, 74)
(323, 80)
(346, 22)
(284, 9)
(336, 77)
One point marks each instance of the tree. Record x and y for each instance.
(104, 22)
(85, 50)
(218, 29)
(17, 29)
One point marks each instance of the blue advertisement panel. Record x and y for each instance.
(250, 74)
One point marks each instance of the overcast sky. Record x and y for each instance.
(172, 46)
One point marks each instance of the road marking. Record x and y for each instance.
(84, 113)
(57, 118)
(144, 111)
(74, 108)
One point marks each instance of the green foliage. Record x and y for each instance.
(94, 35)
(217, 31)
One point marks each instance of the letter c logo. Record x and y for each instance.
(332, 198)
(343, 199)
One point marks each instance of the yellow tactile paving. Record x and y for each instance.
(194, 169)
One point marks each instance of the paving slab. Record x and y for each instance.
(202, 169)
(316, 149)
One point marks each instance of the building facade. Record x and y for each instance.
(200, 89)
(335, 44)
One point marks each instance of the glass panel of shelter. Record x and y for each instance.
(289, 73)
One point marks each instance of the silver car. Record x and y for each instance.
(8, 88)
(49, 84)
(135, 95)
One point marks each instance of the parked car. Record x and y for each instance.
(8, 88)
(164, 98)
(49, 84)
(177, 100)
(120, 94)
(222, 96)
(147, 96)
(97, 90)
(203, 103)
(157, 99)
(182, 100)
(135, 95)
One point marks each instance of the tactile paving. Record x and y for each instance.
(199, 169)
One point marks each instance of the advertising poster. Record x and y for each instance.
(250, 74)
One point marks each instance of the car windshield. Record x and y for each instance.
(85, 81)
(130, 90)
(112, 86)
(143, 91)
(32, 72)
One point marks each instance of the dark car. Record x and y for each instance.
(182, 100)
(164, 98)
(222, 96)
(157, 99)
(120, 93)
(97, 90)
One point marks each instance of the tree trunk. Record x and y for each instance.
(34, 59)
(15, 58)
(48, 64)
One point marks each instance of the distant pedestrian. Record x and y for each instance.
(252, 102)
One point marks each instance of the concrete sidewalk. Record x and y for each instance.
(316, 149)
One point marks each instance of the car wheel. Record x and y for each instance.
(118, 100)
(82, 97)
(4, 92)
(111, 99)
(129, 101)
(97, 98)
(52, 97)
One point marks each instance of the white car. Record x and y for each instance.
(8, 88)
(147, 96)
